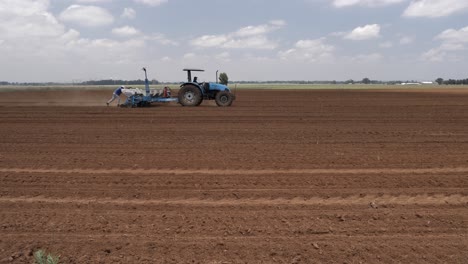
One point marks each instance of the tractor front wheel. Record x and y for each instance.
(224, 98)
(190, 95)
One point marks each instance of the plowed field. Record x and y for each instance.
(326, 176)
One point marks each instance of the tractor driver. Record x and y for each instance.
(116, 95)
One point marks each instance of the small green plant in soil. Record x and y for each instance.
(41, 258)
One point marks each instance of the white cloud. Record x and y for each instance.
(252, 31)
(338, 34)
(104, 51)
(210, 41)
(70, 36)
(67, 52)
(189, 55)
(151, 2)
(453, 41)
(162, 39)
(369, 3)
(364, 33)
(364, 58)
(224, 57)
(250, 37)
(435, 8)
(278, 23)
(309, 50)
(253, 42)
(23, 18)
(23, 7)
(110, 44)
(129, 13)
(406, 40)
(88, 16)
(35, 25)
(125, 31)
(454, 36)
(249, 57)
(386, 44)
(260, 30)
(434, 55)
(34, 40)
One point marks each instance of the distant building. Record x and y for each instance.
(408, 83)
(417, 83)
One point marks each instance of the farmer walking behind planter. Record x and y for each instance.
(116, 95)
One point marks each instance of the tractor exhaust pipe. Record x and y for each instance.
(217, 76)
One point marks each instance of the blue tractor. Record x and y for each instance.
(192, 93)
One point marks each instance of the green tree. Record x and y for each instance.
(366, 81)
(440, 81)
(223, 78)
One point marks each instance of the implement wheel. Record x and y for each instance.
(190, 95)
(224, 99)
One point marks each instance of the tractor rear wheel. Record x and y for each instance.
(190, 95)
(224, 99)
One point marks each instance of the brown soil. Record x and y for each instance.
(280, 177)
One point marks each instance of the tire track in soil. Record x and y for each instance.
(422, 199)
(241, 171)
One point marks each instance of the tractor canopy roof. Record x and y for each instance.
(188, 69)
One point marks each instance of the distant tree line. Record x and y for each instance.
(350, 81)
(29, 83)
(441, 81)
(97, 82)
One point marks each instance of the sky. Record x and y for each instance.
(250, 40)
